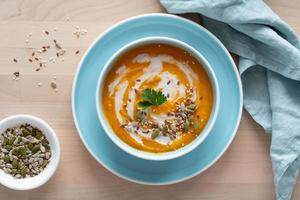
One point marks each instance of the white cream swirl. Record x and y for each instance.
(168, 84)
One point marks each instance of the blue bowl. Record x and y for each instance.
(147, 171)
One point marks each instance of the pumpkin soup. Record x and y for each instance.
(157, 98)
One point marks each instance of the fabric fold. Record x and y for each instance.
(269, 65)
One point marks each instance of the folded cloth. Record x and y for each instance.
(269, 64)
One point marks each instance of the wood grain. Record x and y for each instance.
(244, 172)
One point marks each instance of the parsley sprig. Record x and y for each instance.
(152, 98)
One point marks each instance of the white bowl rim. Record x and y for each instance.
(32, 182)
(103, 163)
(166, 155)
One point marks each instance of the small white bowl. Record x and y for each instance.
(38, 180)
(148, 155)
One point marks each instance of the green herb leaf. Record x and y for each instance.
(152, 98)
(144, 104)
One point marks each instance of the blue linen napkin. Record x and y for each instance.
(269, 64)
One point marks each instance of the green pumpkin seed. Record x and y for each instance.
(8, 147)
(191, 107)
(38, 135)
(15, 164)
(190, 111)
(23, 172)
(33, 132)
(35, 149)
(6, 159)
(45, 162)
(14, 171)
(191, 119)
(139, 115)
(19, 139)
(22, 151)
(15, 152)
(5, 141)
(196, 126)
(47, 146)
(154, 134)
(25, 132)
(30, 146)
(186, 126)
(11, 140)
(164, 130)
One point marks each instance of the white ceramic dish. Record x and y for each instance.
(36, 181)
(147, 155)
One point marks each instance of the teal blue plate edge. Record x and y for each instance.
(144, 171)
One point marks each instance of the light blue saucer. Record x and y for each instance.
(133, 168)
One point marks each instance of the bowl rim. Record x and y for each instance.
(32, 182)
(165, 155)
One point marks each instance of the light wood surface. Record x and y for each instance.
(244, 172)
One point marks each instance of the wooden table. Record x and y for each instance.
(244, 172)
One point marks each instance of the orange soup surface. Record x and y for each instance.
(157, 98)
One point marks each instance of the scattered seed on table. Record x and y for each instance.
(77, 52)
(17, 74)
(53, 85)
(47, 32)
(57, 46)
(62, 52)
(15, 60)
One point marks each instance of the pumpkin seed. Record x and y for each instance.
(164, 130)
(22, 151)
(15, 164)
(191, 107)
(33, 132)
(6, 159)
(196, 126)
(35, 149)
(11, 140)
(139, 115)
(45, 162)
(191, 119)
(19, 140)
(38, 135)
(155, 134)
(25, 132)
(14, 171)
(186, 126)
(23, 172)
(30, 146)
(5, 141)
